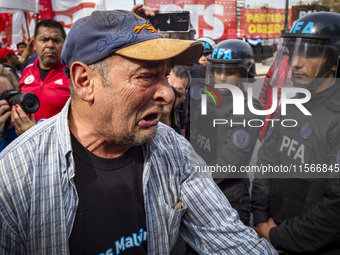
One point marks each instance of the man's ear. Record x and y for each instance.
(82, 78)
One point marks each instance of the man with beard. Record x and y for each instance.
(299, 211)
(104, 176)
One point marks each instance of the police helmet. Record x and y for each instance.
(316, 36)
(208, 44)
(232, 54)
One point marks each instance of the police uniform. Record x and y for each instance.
(305, 205)
(307, 210)
(229, 145)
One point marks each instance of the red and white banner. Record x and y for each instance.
(264, 23)
(24, 5)
(213, 18)
(67, 12)
(64, 11)
(15, 29)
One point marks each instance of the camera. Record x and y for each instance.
(178, 21)
(29, 102)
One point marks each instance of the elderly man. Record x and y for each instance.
(104, 176)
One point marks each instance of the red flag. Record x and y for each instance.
(46, 11)
(4, 19)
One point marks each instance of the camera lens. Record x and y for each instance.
(29, 102)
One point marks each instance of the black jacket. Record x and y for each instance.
(306, 206)
(228, 145)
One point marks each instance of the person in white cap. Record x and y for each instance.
(104, 176)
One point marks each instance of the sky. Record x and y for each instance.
(128, 4)
(279, 4)
(121, 4)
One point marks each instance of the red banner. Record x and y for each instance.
(264, 22)
(45, 9)
(215, 19)
(6, 28)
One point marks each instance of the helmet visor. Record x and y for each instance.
(301, 62)
(221, 73)
(231, 71)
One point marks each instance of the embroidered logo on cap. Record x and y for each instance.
(124, 34)
(150, 28)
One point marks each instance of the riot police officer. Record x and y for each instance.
(208, 46)
(198, 69)
(299, 212)
(197, 73)
(229, 146)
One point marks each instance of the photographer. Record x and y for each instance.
(17, 120)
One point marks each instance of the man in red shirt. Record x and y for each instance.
(46, 77)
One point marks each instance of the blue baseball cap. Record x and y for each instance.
(103, 33)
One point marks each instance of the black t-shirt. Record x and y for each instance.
(111, 211)
(43, 73)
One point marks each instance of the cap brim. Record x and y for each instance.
(181, 52)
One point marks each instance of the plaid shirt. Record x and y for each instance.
(38, 198)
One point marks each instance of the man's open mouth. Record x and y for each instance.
(150, 120)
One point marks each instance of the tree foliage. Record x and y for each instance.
(334, 5)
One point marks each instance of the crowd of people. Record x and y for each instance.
(110, 162)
